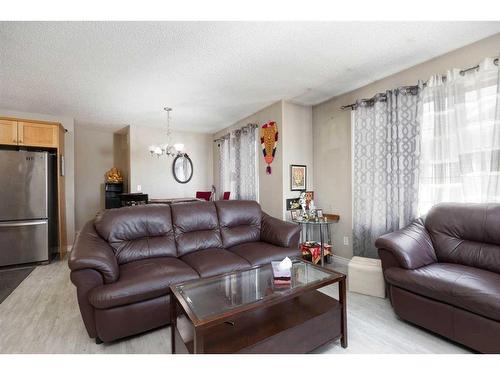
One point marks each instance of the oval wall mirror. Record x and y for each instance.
(182, 168)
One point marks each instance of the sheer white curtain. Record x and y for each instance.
(460, 138)
(243, 161)
(238, 171)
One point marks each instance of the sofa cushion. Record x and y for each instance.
(466, 234)
(142, 280)
(138, 232)
(257, 253)
(471, 289)
(210, 262)
(196, 227)
(239, 221)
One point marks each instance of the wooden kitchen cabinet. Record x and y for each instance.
(8, 132)
(29, 133)
(38, 135)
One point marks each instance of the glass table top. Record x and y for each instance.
(214, 296)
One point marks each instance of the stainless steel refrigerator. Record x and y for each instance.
(25, 206)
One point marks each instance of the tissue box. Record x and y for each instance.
(280, 273)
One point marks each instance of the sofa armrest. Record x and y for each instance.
(85, 281)
(279, 232)
(90, 251)
(410, 246)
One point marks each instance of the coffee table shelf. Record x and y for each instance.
(244, 312)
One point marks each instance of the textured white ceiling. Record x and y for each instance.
(211, 73)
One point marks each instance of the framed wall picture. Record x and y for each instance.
(292, 204)
(309, 198)
(298, 177)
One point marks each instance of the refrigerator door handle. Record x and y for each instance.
(21, 223)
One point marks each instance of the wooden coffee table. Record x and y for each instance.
(246, 312)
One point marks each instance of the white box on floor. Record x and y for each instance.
(365, 276)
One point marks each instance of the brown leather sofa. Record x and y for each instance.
(124, 261)
(443, 273)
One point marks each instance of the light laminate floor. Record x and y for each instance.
(42, 316)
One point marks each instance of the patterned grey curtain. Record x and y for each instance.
(385, 167)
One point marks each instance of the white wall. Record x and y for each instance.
(297, 147)
(332, 133)
(94, 155)
(99, 148)
(69, 144)
(155, 174)
(121, 154)
(270, 186)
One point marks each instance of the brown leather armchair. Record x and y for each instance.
(124, 261)
(443, 273)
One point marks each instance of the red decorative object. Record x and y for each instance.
(312, 249)
(226, 195)
(205, 195)
(269, 141)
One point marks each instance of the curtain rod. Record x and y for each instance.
(407, 88)
(225, 136)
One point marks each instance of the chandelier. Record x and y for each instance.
(167, 149)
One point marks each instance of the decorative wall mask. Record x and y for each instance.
(269, 141)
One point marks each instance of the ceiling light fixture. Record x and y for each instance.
(167, 149)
